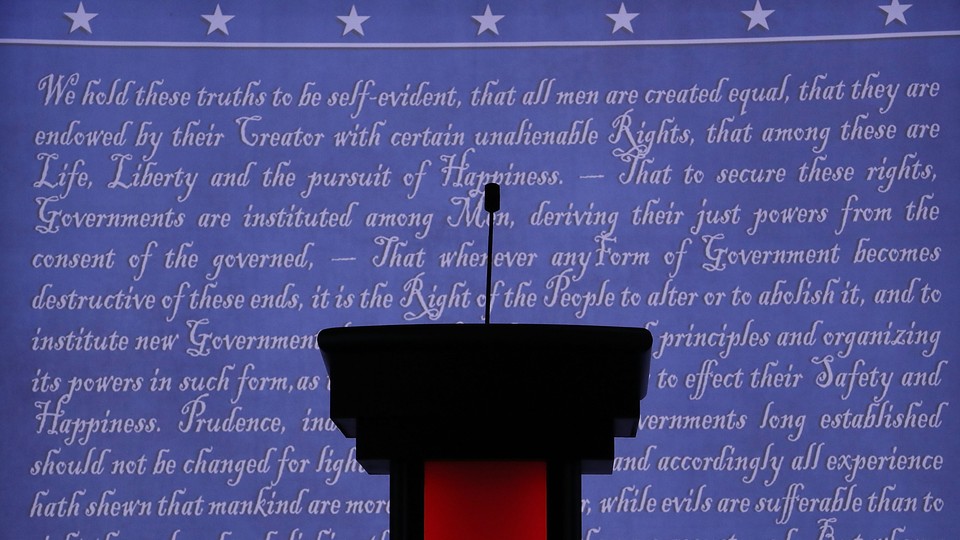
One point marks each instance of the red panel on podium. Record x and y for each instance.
(481, 500)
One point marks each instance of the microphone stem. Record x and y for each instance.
(489, 266)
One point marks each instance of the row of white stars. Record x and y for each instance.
(353, 22)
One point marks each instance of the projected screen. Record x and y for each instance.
(194, 190)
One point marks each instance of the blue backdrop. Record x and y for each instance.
(193, 190)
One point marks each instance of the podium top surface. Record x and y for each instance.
(538, 352)
(513, 339)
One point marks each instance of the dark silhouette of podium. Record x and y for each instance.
(487, 425)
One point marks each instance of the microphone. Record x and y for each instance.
(491, 203)
(491, 197)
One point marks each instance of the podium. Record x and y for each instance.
(485, 430)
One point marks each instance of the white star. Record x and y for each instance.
(622, 19)
(488, 21)
(895, 12)
(217, 21)
(758, 16)
(353, 22)
(80, 18)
